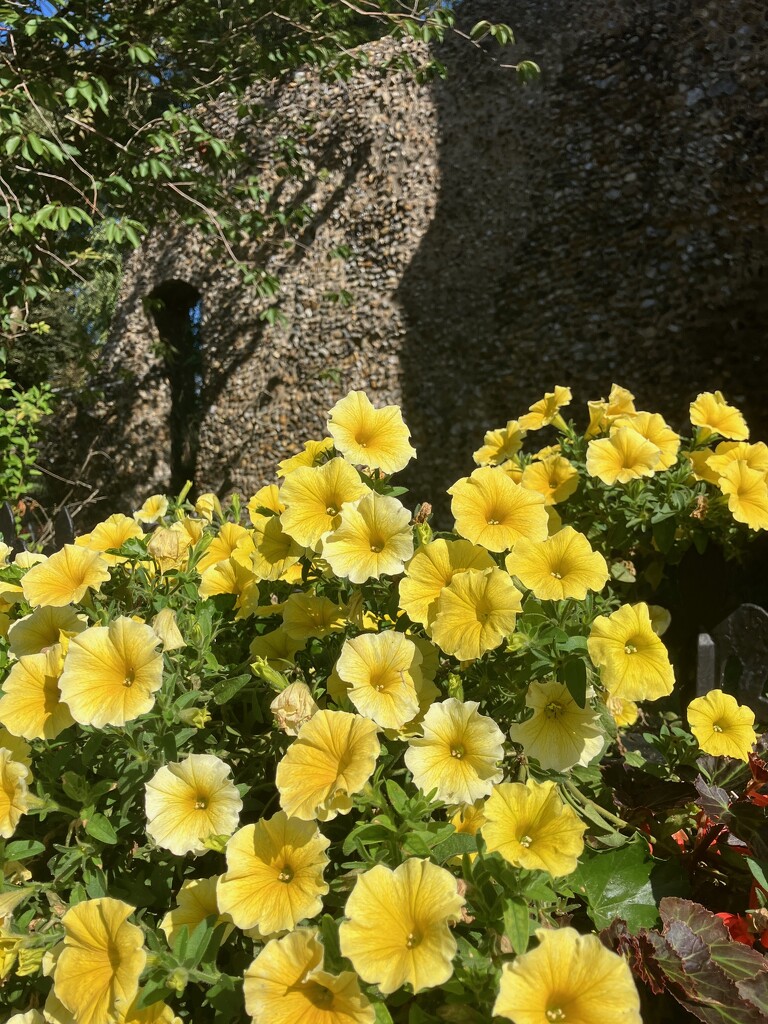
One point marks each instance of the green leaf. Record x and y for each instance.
(397, 797)
(454, 846)
(517, 924)
(224, 692)
(626, 883)
(575, 676)
(101, 829)
(23, 849)
(383, 1016)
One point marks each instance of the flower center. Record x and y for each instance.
(320, 996)
(130, 678)
(200, 803)
(457, 751)
(716, 727)
(555, 1014)
(553, 709)
(286, 874)
(526, 841)
(331, 510)
(377, 545)
(630, 648)
(414, 938)
(556, 575)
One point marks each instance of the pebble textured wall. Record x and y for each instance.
(606, 223)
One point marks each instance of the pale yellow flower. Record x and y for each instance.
(554, 478)
(313, 499)
(500, 445)
(292, 707)
(274, 876)
(196, 901)
(189, 801)
(370, 437)
(458, 754)
(277, 647)
(397, 930)
(432, 567)
(722, 726)
(226, 577)
(266, 499)
(747, 492)
(624, 456)
(270, 552)
(65, 577)
(312, 454)
(207, 506)
(380, 672)
(373, 539)
(491, 510)
(603, 414)
(167, 628)
(330, 760)
(653, 428)
(109, 535)
(570, 978)
(547, 409)
(30, 1017)
(35, 632)
(169, 547)
(562, 566)
(755, 456)
(19, 750)
(222, 546)
(97, 971)
(111, 673)
(14, 796)
(306, 615)
(531, 827)
(700, 467)
(475, 612)
(31, 705)
(624, 712)
(713, 415)
(633, 661)
(286, 984)
(154, 508)
(660, 619)
(559, 734)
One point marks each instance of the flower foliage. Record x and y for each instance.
(308, 758)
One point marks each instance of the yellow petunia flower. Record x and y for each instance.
(306, 615)
(313, 499)
(547, 409)
(531, 827)
(433, 567)
(747, 492)
(267, 497)
(30, 1017)
(153, 509)
(195, 902)
(370, 437)
(65, 577)
(226, 577)
(397, 930)
(722, 726)
(18, 748)
(270, 552)
(562, 566)
(35, 632)
(111, 534)
(189, 801)
(169, 547)
(207, 506)
(380, 671)
(569, 978)
(754, 456)
(660, 619)
(603, 414)
(513, 468)
(331, 759)
(491, 510)
(31, 705)
(14, 796)
(468, 819)
(373, 539)
(700, 467)
(222, 546)
(458, 754)
(286, 984)
(475, 612)
(623, 712)
(167, 628)
(559, 734)
(633, 661)
(500, 445)
(111, 673)
(712, 414)
(97, 972)
(277, 647)
(554, 478)
(274, 876)
(292, 707)
(312, 454)
(624, 456)
(654, 429)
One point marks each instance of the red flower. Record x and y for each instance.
(737, 926)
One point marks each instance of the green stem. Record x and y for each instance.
(585, 800)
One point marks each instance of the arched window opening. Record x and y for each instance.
(176, 308)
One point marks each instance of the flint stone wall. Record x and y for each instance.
(606, 223)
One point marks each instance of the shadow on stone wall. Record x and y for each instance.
(606, 223)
